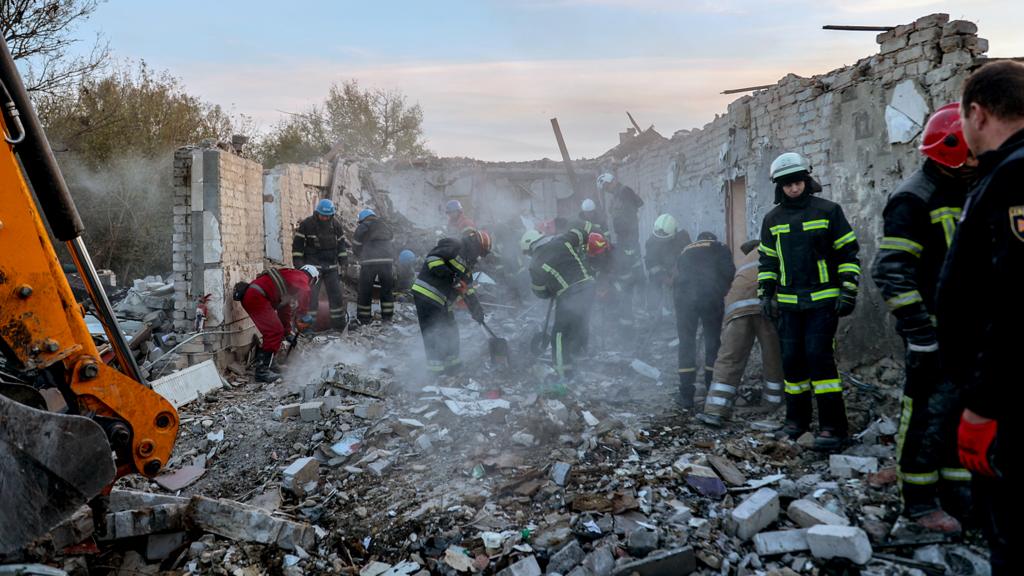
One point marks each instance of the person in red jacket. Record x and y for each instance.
(273, 300)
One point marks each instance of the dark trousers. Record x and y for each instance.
(330, 279)
(693, 310)
(808, 364)
(996, 501)
(572, 326)
(929, 466)
(370, 272)
(440, 335)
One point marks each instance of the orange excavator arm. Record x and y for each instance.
(114, 424)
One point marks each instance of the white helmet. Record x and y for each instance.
(789, 163)
(665, 226)
(588, 205)
(313, 271)
(529, 238)
(603, 179)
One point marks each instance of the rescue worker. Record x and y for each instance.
(624, 211)
(743, 324)
(406, 273)
(589, 219)
(978, 323)
(458, 222)
(808, 278)
(704, 270)
(558, 270)
(446, 276)
(372, 244)
(661, 250)
(320, 241)
(920, 219)
(601, 258)
(273, 300)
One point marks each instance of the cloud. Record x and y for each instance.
(500, 110)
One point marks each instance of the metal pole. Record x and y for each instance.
(104, 311)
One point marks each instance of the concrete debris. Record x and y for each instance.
(145, 521)
(370, 410)
(845, 466)
(310, 411)
(161, 546)
(600, 562)
(755, 513)
(187, 385)
(567, 558)
(781, 542)
(299, 473)
(675, 562)
(246, 523)
(847, 542)
(560, 473)
(180, 478)
(807, 513)
(286, 411)
(526, 567)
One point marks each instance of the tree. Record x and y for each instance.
(131, 109)
(39, 34)
(114, 138)
(371, 123)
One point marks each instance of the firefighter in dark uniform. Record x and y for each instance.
(704, 271)
(979, 325)
(320, 241)
(589, 219)
(558, 270)
(660, 253)
(372, 244)
(920, 219)
(447, 276)
(808, 278)
(623, 209)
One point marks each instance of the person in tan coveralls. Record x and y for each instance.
(743, 323)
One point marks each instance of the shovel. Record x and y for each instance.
(498, 347)
(540, 341)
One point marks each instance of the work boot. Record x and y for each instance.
(264, 372)
(829, 440)
(713, 420)
(832, 423)
(686, 392)
(798, 415)
(938, 521)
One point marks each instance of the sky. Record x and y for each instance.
(490, 74)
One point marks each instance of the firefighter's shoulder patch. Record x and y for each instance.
(1017, 222)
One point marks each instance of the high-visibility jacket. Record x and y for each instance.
(808, 252)
(445, 274)
(319, 242)
(920, 219)
(704, 270)
(557, 264)
(372, 241)
(587, 223)
(741, 300)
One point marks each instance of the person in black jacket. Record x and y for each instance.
(662, 249)
(320, 241)
(704, 271)
(808, 278)
(920, 219)
(980, 286)
(558, 270)
(372, 244)
(446, 276)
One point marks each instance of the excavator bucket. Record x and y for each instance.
(51, 465)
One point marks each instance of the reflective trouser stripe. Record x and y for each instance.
(723, 388)
(798, 387)
(559, 360)
(686, 370)
(773, 392)
(435, 365)
(741, 304)
(955, 474)
(919, 478)
(827, 386)
(906, 412)
(905, 299)
(718, 400)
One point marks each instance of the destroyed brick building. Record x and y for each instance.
(858, 125)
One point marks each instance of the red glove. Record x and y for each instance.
(461, 286)
(974, 441)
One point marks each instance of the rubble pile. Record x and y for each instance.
(354, 465)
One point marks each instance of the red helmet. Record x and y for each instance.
(943, 139)
(596, 244)
(482, 237)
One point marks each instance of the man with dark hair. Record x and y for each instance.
(704, 270)
(978, 325)
(920, 219)
(743, 324)
(808, 278)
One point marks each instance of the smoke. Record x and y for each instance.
(126, 206)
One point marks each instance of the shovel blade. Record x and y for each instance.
(499, 351)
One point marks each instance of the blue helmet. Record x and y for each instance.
(365, 213)
(325, 207)
(452, 206)
(406, 257)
